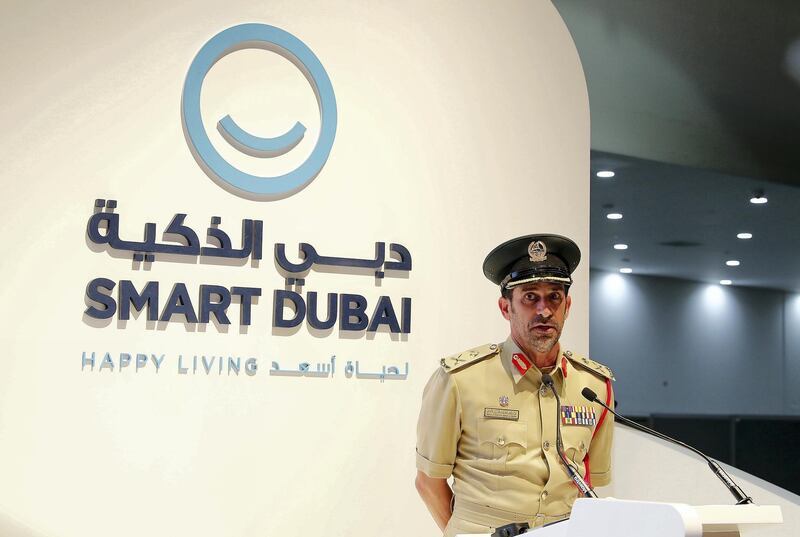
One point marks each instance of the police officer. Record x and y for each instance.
(487, 418)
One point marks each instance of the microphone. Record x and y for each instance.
(738, 493)
(585, 489)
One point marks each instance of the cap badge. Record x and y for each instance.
(537, 251)
(503, 400)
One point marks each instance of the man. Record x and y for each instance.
(487, 418)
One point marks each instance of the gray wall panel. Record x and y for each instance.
(686, 347)
(791, 378)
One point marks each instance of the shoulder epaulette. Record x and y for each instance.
(591, 365)
(457, 361)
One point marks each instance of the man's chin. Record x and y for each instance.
(543, 345)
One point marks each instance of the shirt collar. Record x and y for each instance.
(519, 365)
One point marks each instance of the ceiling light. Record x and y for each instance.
(620, 246)
(744, 236)
(758, 197)
(626, 270)
(605, 174)
(732, 262)
(614, 216)
(725, 282)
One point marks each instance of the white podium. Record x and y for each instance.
(622, 518)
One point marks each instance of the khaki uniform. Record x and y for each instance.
(487, 420)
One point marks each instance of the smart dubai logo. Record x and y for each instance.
(227, 175)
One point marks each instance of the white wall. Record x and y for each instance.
(461, 124)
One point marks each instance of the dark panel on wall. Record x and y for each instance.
(711, 435)
(768, 448)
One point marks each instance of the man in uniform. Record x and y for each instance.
(488, 419)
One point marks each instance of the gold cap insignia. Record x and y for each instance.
(537, 251)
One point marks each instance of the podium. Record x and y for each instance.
(615, 518)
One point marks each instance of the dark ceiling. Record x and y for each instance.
(706, 84)
(695, 104)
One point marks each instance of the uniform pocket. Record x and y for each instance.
(501, 440)
(576, 442)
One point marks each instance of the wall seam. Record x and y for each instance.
(784, 359)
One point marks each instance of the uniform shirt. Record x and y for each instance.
(487, 420)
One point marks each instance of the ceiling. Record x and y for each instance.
(694, 105)
(682, 222)
(712, 84)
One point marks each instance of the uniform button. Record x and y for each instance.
(546, 445)
(501, 441)
(544, 494)
(544, 390)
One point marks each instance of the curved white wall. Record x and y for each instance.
(460, 125)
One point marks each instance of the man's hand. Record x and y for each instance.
(437, 495)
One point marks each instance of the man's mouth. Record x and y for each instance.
(544, 329)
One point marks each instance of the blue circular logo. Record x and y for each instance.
(274, 39)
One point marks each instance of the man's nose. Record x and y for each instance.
(543, 310)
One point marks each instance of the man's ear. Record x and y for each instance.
(569, 303)
(504, 304)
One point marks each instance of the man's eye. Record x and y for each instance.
(555, 297)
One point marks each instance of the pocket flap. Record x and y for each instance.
(502, 432)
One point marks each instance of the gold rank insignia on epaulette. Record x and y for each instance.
(457, 361)
(591, 365)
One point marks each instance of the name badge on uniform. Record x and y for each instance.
(501, 414)
(578, 415)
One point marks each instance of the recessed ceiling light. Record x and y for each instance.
(758, 197)
(620, 246)
(614, 216)
(626, 270)
(744, 236)
(605, 174)
(732, 262)
(725, 282)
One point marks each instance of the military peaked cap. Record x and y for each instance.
(532, 258)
